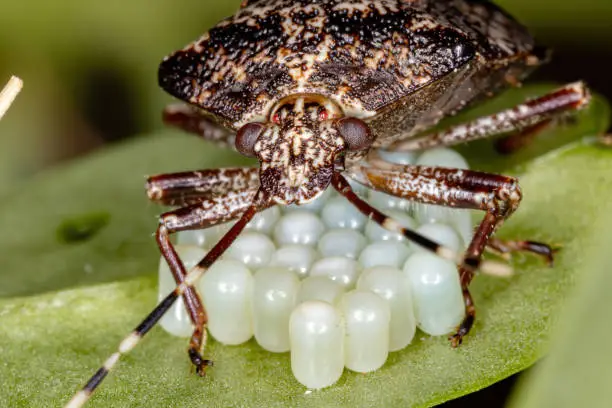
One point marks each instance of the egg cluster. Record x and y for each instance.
(329, 285)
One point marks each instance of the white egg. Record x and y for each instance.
(390, 284)
(384, 253)
(436, 293)
(275, 293)
(265, 220)
(320, 288)
(367, 319)
(442, 157)
(403, 158)
(340, 269)
(342, 242)
(227, 289)
(215, 233)
(316, 330)
(199, 237)
(338, 212)
(253, 249)
(297, 258)
(298, 227)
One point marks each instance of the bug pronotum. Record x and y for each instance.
(310, 89)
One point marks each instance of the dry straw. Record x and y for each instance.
(9, 93)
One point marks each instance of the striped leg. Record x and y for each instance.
(471, 263)
(213, 197)
(523, 121)
(498, 196)
(80, 398)
(209, 212)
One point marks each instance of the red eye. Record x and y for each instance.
(276, 118)
(323, 114)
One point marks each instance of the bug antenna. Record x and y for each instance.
(132, 340)
(471, 263)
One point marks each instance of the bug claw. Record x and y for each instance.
(456, 339)
(506, 248)
(199, 362)
(201, 368)
(544, 250)
(463, 329)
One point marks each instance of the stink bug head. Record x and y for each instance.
(299, 146)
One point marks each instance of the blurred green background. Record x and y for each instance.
(90, 74)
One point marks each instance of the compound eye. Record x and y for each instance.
(356, 133)
(246, 138)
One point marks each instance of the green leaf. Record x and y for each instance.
(52, 342)
(577, 371)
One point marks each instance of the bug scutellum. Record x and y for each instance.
(309, 88)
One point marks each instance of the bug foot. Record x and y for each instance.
(201, 369)
(505, 248)
(463, 329)
(456, 339)
(199, 362)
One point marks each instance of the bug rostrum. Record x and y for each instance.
(310, 89)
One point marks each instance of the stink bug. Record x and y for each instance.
(310, 88)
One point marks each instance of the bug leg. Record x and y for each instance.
(207, 213)
(503, 247)
(193, 303)
(476, 247)
(467, 262)
(179, 189)
(530, 116)
(128, 343)
(212, 201)
(191, 120)
(498, 196)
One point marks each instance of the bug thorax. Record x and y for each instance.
(300, 145)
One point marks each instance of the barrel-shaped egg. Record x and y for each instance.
(342, 242)
(298, 227)
(436, 291)
(366, 343)
(390, 284)
(253, 249)
(340, 269)
(384, 253)
(338, 212)
(227, 288)
(316, 331)
(320, 288)
(295, 257)
(275, 292)
(265, 220)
